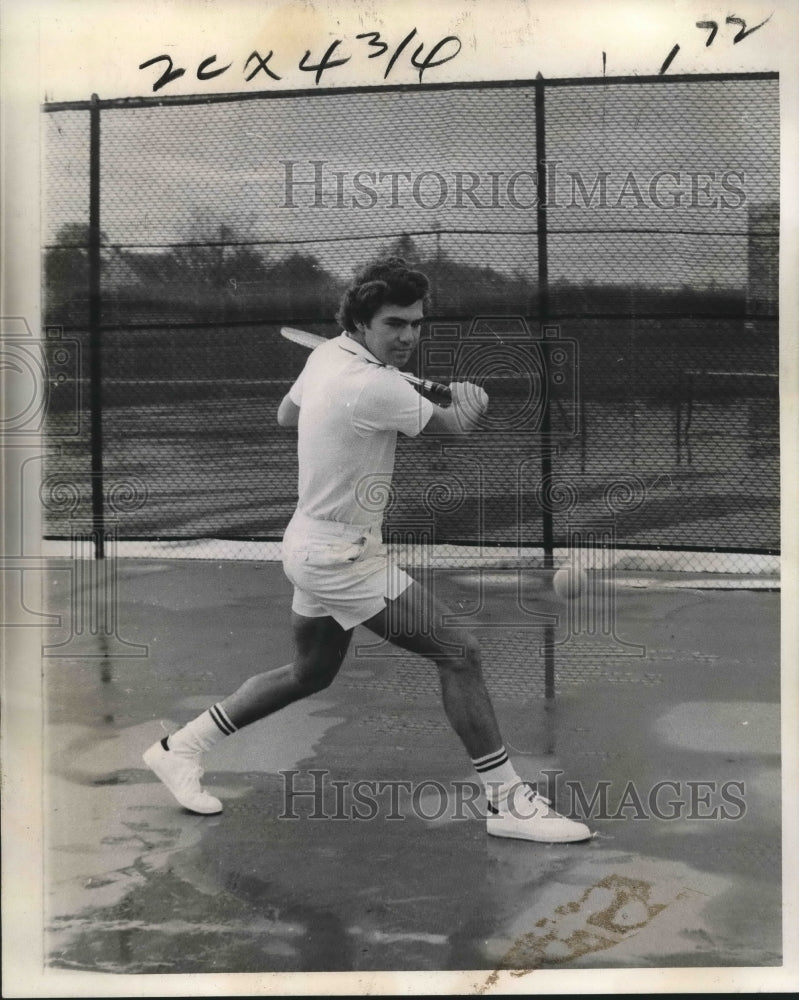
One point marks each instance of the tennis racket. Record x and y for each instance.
(312, 340)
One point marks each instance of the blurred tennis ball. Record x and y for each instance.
(569, 582)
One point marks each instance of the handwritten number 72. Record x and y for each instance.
(713, 27)
(744, 32)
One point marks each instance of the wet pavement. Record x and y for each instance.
(352, 836)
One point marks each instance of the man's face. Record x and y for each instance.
(393, 333)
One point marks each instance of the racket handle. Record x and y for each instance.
(441, 393)
(439, 390)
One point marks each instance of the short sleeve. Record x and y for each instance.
(295, 392)
(387, 402)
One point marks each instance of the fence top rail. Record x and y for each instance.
(120, 103)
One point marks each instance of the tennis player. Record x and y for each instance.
(349, 403)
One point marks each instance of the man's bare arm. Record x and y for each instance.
(288, 413)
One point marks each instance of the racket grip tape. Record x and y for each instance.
(437, 390)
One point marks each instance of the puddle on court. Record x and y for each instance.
(114, 835)
(136, 885)
(722, 727)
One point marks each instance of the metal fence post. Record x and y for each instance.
(95, 340)
(543, 304)
(543, 320)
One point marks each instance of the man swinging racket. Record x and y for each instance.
(348, 405)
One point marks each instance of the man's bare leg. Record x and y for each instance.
(414, 621)
(321, 645)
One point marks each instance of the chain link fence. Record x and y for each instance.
(602, 256)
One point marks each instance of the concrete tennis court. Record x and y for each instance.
(668, 728)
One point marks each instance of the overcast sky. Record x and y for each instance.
(459, 160)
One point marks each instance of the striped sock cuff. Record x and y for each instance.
(491, 760)
(497, 774)
(220, 717)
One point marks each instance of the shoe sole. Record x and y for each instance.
(153, 764)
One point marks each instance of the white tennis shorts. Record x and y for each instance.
(339, 570)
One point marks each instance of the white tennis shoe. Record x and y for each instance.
(526, 815)
(181, 774)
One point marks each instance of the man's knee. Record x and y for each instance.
(317, 673)
(462, 656)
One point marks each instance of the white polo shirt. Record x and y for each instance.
(351, 408)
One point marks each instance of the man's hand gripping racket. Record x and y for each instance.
(470, 399)
(441, 394)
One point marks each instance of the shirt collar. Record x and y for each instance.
(346, 343)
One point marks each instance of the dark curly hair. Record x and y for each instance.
(387, 281)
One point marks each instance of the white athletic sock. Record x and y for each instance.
(497, 774)
(201, 733)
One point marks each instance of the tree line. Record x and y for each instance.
(222, 280)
